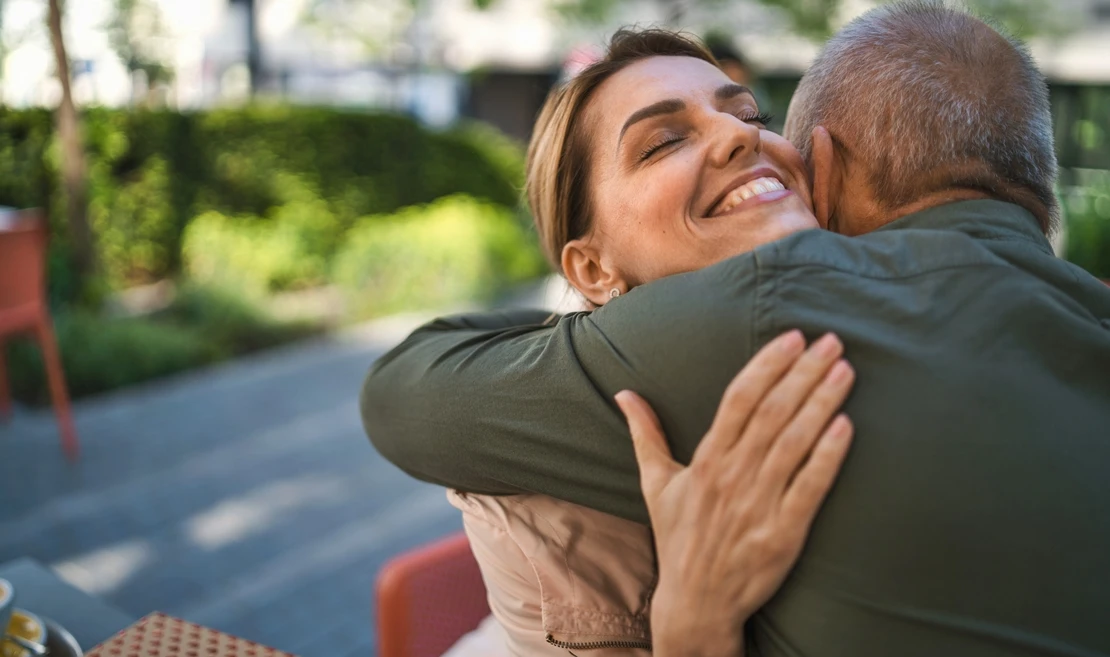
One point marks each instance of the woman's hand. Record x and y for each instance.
(729, 527)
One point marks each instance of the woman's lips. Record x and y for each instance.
(751, 190)
(755, 201)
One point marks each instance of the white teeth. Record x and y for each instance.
(746, 191)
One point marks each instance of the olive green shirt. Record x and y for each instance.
(972, 516)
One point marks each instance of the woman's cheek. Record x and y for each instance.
(672, 190)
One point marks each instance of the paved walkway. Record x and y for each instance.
(244, 497)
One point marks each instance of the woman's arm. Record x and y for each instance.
(499, 411)
(483, 407)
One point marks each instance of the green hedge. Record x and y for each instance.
(152, 172)
(287, 252)
(202, 326)
(1087, 212)
(259, 200)
(457, 248)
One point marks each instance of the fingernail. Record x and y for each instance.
(828, 345)
(842, 426)
(840, 372)
(792, 342)
(621, 397)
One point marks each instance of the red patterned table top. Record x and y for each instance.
(159, 635)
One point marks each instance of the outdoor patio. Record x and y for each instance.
(243, 497)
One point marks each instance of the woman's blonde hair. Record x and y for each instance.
(558, 155)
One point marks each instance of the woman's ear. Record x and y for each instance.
(826, 177)
(588, 273)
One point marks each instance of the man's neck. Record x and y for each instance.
(879, 216)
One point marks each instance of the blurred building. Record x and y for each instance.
(436, 59)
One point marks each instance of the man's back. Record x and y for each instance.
(973, 514)
(971, 517)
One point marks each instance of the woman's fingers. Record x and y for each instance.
(780, 405)
(747, 388)
(721, 531)
(794, 444)
(815, 479)
(657, 466)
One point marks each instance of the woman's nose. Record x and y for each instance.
(733, 139)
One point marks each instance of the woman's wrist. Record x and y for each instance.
(684, 624)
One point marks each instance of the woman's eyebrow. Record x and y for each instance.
(731, 91)
(669, 106)
(672, 105)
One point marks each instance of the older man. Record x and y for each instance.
(972, 516)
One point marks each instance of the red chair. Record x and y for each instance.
(429, 598)
(23, 310)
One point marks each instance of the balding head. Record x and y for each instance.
(924, 100)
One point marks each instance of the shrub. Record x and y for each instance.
(286, 252)
(500, 150)
(361, 163)
(100, 354)
(202, 326)
(229, 320)
(151, 172)
(454, 249)
(134, 226)
(1087, 211)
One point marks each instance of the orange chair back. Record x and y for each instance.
(22, 259)
(429, 598)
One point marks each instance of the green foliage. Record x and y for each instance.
(1028, 18)
(101, 354)
(290, 251)
(819, 19)
(134, 224)
(203, 325)
(812, 19)
(456, 248)
(256, 200)
(133, 29)
(501, 151)
(1082, 121)
(1087, 211)
(229, 320)
(152, 172)
(361, 163)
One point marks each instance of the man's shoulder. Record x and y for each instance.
(882, 254)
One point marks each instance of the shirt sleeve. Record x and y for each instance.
(503, 404)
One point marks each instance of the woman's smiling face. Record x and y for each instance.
(683, 173)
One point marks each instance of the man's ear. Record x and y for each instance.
(826, 177)
(588, 272)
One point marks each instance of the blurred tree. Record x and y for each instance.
(134, 30)
(254, 45)
(818, 19)
(12, 38)
(379, 27)
(3, 44)
(74, 168)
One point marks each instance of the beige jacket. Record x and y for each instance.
(562, 577)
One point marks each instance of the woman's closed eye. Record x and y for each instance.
(659, 143)
(664, 140)
(762, 118)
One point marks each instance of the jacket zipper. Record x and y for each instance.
(598, 645)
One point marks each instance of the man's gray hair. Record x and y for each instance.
(931, 99)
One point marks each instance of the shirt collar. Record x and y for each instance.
(981, 219)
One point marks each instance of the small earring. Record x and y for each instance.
(614, 293)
